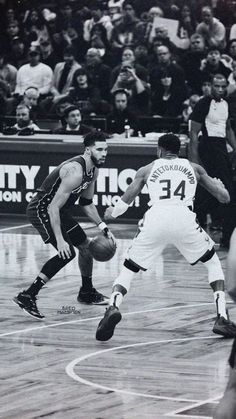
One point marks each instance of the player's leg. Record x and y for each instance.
(27, 298)
(87, 293)
(142, 253)
(196, 246)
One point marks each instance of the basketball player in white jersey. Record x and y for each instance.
(171, 183)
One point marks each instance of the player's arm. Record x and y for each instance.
(195, 128)
(231, 267)
(212, 185)
(71, 177)
(86, 203)
(130, 194)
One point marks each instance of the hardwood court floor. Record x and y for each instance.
(163, 361)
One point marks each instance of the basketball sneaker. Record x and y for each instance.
(107, 325)
(92, 297)
(224, 327)
(28, 304)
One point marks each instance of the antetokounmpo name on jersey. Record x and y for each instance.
(162, 169)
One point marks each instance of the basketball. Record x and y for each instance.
(102, 248)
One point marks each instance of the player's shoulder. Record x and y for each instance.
(70, 169)
(198, 169)
(145, 170)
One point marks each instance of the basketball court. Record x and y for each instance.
(163, 360)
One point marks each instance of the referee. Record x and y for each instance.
(210, 119)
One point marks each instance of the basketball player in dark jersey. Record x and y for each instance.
(227, 406)
(50, 213)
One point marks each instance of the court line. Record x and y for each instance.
(15, 332)
(88, 227)
(15, 227)
(70, 368)
(197, 404)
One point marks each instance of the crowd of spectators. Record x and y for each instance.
(113, 58)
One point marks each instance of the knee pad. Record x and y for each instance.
(208, 255)
(129, 264)
(215, 272)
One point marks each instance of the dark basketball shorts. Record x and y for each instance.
(38, 216)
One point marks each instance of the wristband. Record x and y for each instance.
(119, 208)
(102, 225)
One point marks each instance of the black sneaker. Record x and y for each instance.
(224, 327)
(28, 304)
(92, 297)
(107, 325)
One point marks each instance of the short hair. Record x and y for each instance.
(170, 142)
(69, 109)
(22, 105)
(31, 87)
(94, 136)
(122, 91)
(195, 36)
(218, 76)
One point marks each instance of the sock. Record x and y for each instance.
(34, 288)
(87, 284)
(219, 298)
(116, 299)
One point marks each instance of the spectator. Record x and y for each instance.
(141, 54)
(128, 58)
(121, 115)
(232, 78)
(166, 65)
(7, 73)
(188, 106)
(232, 48)
(31, 98)
(186, 27)
(99, 41)
(144, 28)
(114, 7)
(64, 72)
(167, 100)
(73, 119)
(34, 74)
(192, 61)
(23, 118)
(17, 56)
(6, 102)
(97, 18)
(13, 29)
(123, 35)
(86, 97)
(206, 87)
(98, 73)
(213, 65)
(48, 56)
(211, 29)
(34, 25)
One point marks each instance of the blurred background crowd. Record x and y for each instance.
(72, 60)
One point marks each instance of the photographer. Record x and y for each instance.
(137, 89)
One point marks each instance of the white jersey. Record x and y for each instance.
(172, 182)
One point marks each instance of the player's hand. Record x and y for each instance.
(107, 214)
(63, 249)
(219, 182)
(109, 234)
